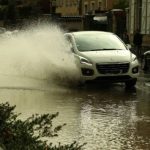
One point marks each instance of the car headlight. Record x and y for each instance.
(85, 61)
(134, 58)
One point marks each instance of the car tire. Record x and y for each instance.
(131, 83)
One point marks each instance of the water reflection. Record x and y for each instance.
(104, 117)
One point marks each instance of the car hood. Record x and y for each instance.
(108, 56)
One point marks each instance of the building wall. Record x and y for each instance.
(89, 6)
(110, 4)
(67, 7)
(139, 18)
(74, 8)
(145, 17)
(139, 13)
(82, 7)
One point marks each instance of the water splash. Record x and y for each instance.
(39, 52)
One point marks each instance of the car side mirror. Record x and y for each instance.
(129, 46)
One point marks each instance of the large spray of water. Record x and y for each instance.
(39, 52)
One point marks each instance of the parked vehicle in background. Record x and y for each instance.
(103, 56)
(146, 61)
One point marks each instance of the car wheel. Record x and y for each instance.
(131, 83)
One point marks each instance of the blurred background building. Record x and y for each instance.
(82, 7)
(139, 18)
(110, 15)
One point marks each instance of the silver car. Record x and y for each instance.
(103, 56)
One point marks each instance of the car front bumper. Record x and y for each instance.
(91, 73)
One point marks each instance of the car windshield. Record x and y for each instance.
(98, 41)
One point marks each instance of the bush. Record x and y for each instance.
(16, 134)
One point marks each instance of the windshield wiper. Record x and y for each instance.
(104, 49)
(111, 49)
(95, 49)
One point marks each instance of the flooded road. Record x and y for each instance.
(105, 117)
(37, 76)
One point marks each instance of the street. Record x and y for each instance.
(105, 117)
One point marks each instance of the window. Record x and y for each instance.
(85, 8)
(66, 3)
(93, 8)
(99, 5)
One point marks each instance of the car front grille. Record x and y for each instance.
(115, 68)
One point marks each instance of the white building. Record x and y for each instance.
(139, 18)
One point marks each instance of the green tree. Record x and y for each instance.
(16, 134)
(121, 4)
(3, 2)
